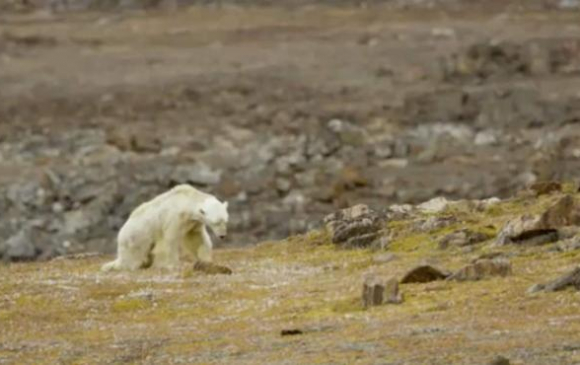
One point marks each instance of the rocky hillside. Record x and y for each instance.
(444, 282)
(287, 114)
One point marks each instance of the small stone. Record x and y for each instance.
(383, 150)
(348, 133)
(443, 32)
(434, 223)
(401, 208)
(211, 268)
(291, 332)
(485, 138)
(283, 185)
(392, 293)
(424, 274)
(356, 226)
(483, 269)
(141, 294)
(394, 162)
(57, 208)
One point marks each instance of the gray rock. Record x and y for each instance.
(433, 223)
(27, 194)
(435, 205)
(483, 269)
(377, 291)
(353, 227)
(383, 149)
(20, 247)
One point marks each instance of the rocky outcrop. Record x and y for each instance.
(542, 228)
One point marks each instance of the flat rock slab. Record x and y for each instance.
(462, 238)
(483, 269)
(570, 279)
(424, 274)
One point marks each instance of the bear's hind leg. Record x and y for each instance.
(130, 256)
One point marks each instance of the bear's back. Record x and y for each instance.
(179, 195)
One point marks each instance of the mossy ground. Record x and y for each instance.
(67, 312)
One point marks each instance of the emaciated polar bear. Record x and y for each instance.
(159, 229)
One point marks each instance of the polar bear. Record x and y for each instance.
(159, 229)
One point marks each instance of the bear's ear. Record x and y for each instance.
(202, 212)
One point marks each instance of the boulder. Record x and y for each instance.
(377, 291)
(424, 274)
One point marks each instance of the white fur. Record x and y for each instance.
(157, 230)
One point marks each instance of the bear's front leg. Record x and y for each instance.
(198, 243)
(166, 251)
(204, 252)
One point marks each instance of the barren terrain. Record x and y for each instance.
(66, 311)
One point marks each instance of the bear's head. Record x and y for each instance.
(215, 215)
